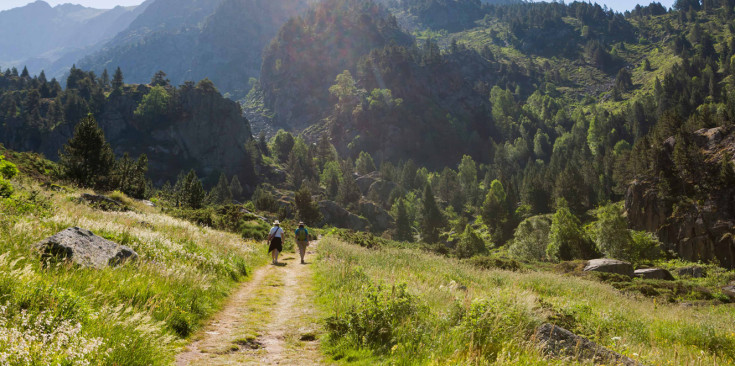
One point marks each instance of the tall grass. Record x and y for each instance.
(465, 315)
(136, 314)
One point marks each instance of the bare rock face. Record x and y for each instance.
(698, 230)
(85, 249)
(654, 274)
(560, 342)
(610, 266)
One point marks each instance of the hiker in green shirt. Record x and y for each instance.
(302, 240)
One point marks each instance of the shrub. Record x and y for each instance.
(644, 246)
(566, 239)
(489, 324)
(376, 319)
(531, 239)
(8, 170)
(363, 239)
(470, 244)
(610, 232)
(6, 189)
(264, 200)
(255, 229)
(487, 262)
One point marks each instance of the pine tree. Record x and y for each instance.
(364, 163)
(25, 73)
(87, 159)
(566, 238)
(236, 188)
(105, 79)
(494, 210)
(403, 226)
(190, 191)
(433, 220)
(307, 209)
(470, 244)
(221, 193)
(159, 79)
(348, 193)
(117, 80)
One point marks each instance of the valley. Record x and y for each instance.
(484, 182)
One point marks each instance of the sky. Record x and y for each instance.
(619, 5)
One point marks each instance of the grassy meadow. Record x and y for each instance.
(408, 307)
(136, 314)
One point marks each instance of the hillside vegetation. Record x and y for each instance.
(135, 314)
(403, 306)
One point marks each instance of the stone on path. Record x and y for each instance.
(610, 266)
(85, 249)
(559, 342)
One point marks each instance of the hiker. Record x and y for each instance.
(302, 240)
(275, 237)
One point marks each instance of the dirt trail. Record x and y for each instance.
(269, 320)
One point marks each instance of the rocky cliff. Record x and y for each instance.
(200, 130)
(700, 229)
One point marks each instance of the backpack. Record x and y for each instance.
(302, 234)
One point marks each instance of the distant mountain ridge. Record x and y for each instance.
(52, 38)
(218, 39)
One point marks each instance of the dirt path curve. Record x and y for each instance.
(269, 320)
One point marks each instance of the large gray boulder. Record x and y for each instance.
(610, 266)
(85, 249)
(654, 274)
(559, 342)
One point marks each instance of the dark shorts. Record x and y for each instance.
(276, 244)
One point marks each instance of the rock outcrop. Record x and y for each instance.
(334, 214)
(729, 291)
(85, 249)
(559, 342)
(610, 266)
(102, 202)
(701, 229)
(654, 274)
(380, 219)
(693, 272)
(203, 130)
(367, 181)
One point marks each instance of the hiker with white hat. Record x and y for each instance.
(275, 237)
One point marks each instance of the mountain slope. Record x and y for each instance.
(179, 128)
(39, 35)
(311, 50)
(220, 40)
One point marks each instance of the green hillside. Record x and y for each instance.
(480, 179)
(134, 314)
